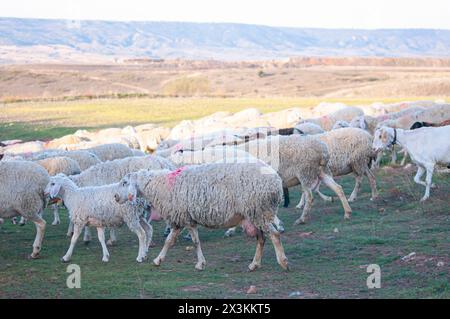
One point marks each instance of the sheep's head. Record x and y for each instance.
(54, 188)
(127, 190)
(384, 137)
(359, 122)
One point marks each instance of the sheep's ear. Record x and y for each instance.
(362, 123)
(54, 190)
(1, 156)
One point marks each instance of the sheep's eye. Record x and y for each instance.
(52, 184)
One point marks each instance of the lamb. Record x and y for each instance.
(214, 196)
(298, 160)
(95, 206)
(111, 172)
(426, 146)
(22, 194)
(350, 151)
(55, 166)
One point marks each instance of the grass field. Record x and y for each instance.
(45, 120)
(324, 263)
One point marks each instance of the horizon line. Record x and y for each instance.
(224, 22)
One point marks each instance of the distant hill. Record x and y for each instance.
(37, 40)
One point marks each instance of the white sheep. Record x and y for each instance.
(307, 128)
(426, 146)
(109, 152)
(22, 194)
(111, 172)
(350, 151)
(298, 160)
(327, 121)
(214, 196)
(95, 206)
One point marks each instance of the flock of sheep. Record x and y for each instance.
(220, 171)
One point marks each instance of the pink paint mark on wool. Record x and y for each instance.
(155, 215)
(249, 228)
(172, 176)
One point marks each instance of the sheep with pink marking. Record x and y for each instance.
(217, 195)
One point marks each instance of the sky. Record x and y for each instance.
(365, 14)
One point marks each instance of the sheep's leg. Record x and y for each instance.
(136, 228)
(308, 204)
(148, 232)
(323, 196)
(356, 190)
(230, 232)
(167, 230)
(393, 156)
(76, 233)
(286, 197)
(112, 237)
(23, 221)
(376, 163)
(279, 251)
(405, 157)
(201, 261)
(87, 235)
(56, 219)
(278, 224)
(428, 179)
(40, 231)
(101, 239)
(170, 241)
(70, 229)
(301, 203)
(329, 181)
(372, 183)
(419, 174)
(256, 263)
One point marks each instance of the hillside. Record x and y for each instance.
(39, 40)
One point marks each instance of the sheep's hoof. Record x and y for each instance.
(21, 224)
(375, 198)
(152, 244)
(423, 199)
(64, 260)
(35, 256)
(351, 200)
(200, 265)
(300, 221)
(110, 242)
(229, 233)
(105, 259)
(285, 265)
(253, 266)
(347, 216)
(141, 259)
(157, 262)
